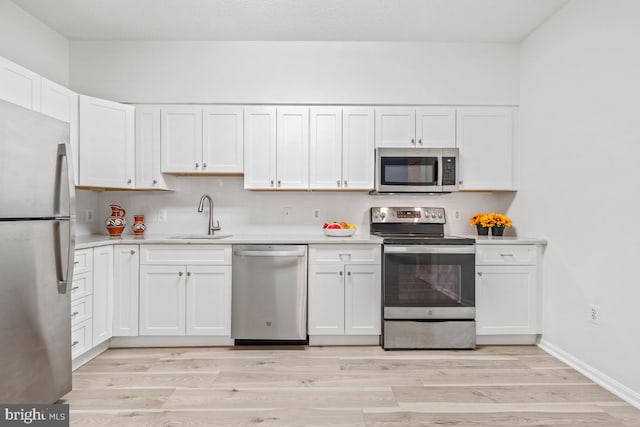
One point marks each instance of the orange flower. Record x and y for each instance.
(490, 220)
(476, 218)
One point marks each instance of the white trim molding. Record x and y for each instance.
(600, 378)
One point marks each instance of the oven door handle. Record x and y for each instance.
(430, 249)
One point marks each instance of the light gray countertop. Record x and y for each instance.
(93, 240)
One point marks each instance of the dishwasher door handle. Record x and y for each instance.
(296, 253)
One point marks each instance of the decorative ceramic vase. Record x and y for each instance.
(497, 230)
(482, 231)
(138, 226)
(116, 222)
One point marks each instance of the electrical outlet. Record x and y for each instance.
(456, 215)
(594, 314)
(316, 215)
(162, 215)
(88, 215)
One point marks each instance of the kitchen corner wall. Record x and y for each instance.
(240, 210)
(580, 87)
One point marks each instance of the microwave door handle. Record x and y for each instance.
(439, 168)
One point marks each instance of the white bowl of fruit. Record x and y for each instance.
(339, 229)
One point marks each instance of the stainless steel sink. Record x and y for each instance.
(201, 236)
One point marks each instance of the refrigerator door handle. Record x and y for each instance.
(64, 151)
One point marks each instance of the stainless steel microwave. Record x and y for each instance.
(417, 170)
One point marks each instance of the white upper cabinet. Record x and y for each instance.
(486, 141)
(436, 127)
(260, 148)
(62, 104)
(415, 127)
(325, 146)
(358, 152)
(395, 127)
(148, 158)
(292, 141)
(19, 85)
(107, 143)
(341, 148)
(181, 137)
(222, 139)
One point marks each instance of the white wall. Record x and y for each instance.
(241, 211)
(580, 85)
(296, 72)
(32, 44)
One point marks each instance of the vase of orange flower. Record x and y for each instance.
(491, 221)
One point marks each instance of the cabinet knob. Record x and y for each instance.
(413, 141)
(345, 182)
(180, 273)
(272, 183)
(188, 273)
(338, 183)
(480, 273)
(75, 288)
(128, 181)
(279, 183)
(197, 165)
(74, 314)
(155, 181)
(420, 141)
(75, 343)
(348, 273)
(133, 252)
(204, 166)
(460, 182)
(341, 273)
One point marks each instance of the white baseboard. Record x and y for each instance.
(162, 341)
(598, 377)
(506, 339)
(89, 355)
(344, 340)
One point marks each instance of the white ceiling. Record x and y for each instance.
(295, 20)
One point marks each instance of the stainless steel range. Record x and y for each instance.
(428, 280)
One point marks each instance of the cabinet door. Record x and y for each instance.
(19, 85)
(107, 143)
(506, 300)
(358, 151)
(260, 147)
(148, 157)
(436, 127)
(395, 127)
(325, 146)
(102, 294)
(126, 259)
(485, 138)
(292, 164)
(222, 140)
(162, 299)
(208, 300)
(326, 299)
(181, 137)
(362, 300)
(61, 103)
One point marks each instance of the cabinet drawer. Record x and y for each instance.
(82, 261)
(331, 254)
(81, 310)
(81, 338)
(185, 254)
(81, 286)
(506, 254)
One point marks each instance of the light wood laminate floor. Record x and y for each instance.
(339, 386)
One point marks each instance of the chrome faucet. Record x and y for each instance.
(212, 228)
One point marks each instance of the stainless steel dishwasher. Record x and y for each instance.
(269, 296)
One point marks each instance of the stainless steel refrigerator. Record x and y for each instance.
(37, 215)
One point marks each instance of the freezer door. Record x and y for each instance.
(35, 321)
(34, 170)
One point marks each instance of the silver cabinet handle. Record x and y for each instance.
(74, 314)
(460, 182)
(197, 165)
(76, 262)
(155, 181)
(75, 288)
(338, 182)
(133, 252)
(413, 141)
(480, 273)
(272, 183)
(128, 181)
(348, 273)
(420, 141)
(341, 273)
(75, 343)
(204, 166)
(345, 182)
(506, 255)
(279, 183)
(188, 273)
(180, 273)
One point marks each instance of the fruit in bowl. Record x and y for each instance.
(339, 229)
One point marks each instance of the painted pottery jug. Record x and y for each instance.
(138, 225)
(116, 221)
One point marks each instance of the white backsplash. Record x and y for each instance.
(240, 210)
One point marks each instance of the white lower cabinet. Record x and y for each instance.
(102, 294)
(344, 296)
(507, 290)
(125, 290)
(81, 303)
(191, 298)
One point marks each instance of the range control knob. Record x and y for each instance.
(383, 215)
(433, 215)
(440, 215)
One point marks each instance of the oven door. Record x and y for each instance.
(409, 170)
(429, 282)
